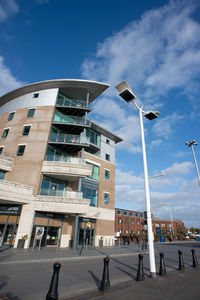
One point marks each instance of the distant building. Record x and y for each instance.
(134, 223)
(57, 167)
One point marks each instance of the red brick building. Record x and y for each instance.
(129, 222)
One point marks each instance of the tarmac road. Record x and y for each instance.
(26, 274)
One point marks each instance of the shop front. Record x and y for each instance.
(86, 231)
(47, 230)
(9, 220)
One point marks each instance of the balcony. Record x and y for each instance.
(15, 192)
(62, 196)
(68, 168)
(70, 120)
(69, 139)
(71, 103)
(6, 162)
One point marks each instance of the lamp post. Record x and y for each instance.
(190, 144)
(126, 93)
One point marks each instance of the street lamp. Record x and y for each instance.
(190, 144)
(126, 93)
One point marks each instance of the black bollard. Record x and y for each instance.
(181, 266)
(105, 282)
(140, 272)
(162, 270)
(53, 289)
(194, 259)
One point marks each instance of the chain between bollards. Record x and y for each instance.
(53, 289)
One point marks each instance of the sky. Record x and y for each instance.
(154, 46)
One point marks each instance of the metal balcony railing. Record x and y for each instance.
(61, 193)
(67, 159)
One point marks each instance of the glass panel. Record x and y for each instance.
(96, 172)
(90, 194)
(106, 199)
(20, 150)
(26, 130)
(31, 113)
(11, 115)
(5, 133)
(2, 175)
(107, 174)
(61, 118)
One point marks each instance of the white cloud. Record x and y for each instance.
(7, 8)
(165, 126)
(7, 81)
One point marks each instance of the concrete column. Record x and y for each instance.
(75, 232)
(25, 224)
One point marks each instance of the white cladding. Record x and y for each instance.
(107, 148)
(45, 98)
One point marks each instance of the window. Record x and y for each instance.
(138, 222)
(1, 150)
(11, 115)
(119, 221)
(119, 230)
(119, 212)
(132, 222)
(132, 231)
(130, 213)
(94, 137)
(126, 231)
(107, 157)
(125, 213)
(91, 194)
(108, 141)
(2, 174)
(138, 232)
(31, 113)
(26, 130)
(95, 171)
(107, 174)
(106, 198)
(20, 150)
(5, 133)
(53, 187)
(36, 95)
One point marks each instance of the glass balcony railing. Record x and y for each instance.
(68, 138)
(71, 103)
(61, 118)
(67, 159)
(61, 193)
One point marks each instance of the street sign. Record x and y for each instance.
(158, 231)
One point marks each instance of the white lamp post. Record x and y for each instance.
(190, 144)
(126, 93)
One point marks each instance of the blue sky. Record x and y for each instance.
(155, 46)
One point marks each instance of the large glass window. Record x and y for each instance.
(94, 137)
(56, 155)
(95, 171)
(91, 194)
(52, 187)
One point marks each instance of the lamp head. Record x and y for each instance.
(150, 115)
(125, 91)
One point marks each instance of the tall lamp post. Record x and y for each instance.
(126, 93)
(190, 144)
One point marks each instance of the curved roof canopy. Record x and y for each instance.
(78, 88)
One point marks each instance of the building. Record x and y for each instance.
(57, 167)
(129, 222)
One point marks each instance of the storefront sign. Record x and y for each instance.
(39, 232)
(6, 209)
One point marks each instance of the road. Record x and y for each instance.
(27, 276)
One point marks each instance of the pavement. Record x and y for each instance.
(26, 274)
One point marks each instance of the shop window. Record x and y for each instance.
(11, 115)
(31, 113)
(91, 194)
(20, 150)
(5, 133)
(107, 174)
(26, 130)
(106, 198)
